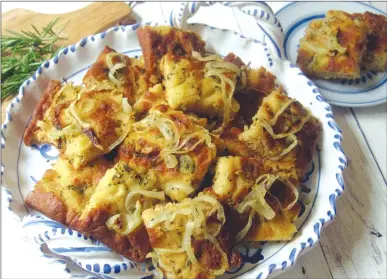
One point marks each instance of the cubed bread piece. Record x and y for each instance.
(195, 86)
(115, 71)
(81, 122)
(259, 79)
(252, 86)
(280, 228)
(49, 112)
(264, 201)
(284, 133)
(171, 143)
(333, 47)
(103, 203)
(85, 122)
(189, 238)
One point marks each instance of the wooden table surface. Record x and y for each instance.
(354, 245)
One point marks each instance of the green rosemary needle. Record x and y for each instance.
(23, 52)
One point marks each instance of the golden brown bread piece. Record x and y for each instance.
(333, 47)
(280, 228)
(157, 41)
(83, 123)
(258, 84)
(228, 143)
(87, 122)
(151, 97)
(261, 80)
(194, 86)
(132, 82)
(211, 240)
(296, 131)
(234, 181)
(144, 147)
(63, 194)
(234, 59)
(41, 107)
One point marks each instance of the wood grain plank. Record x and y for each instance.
(372, 122)
(310, 265)
(355, 244)
(91, 19)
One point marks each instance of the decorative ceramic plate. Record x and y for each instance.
(83, 257)
(370, 89)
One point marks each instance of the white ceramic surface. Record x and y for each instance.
(22, 165)
(370, 89)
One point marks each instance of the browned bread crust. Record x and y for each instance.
(261, 80)
(99, 73)
(44, 103)
(333, 47)
(155, 42)
(47, 203)
(134, 246)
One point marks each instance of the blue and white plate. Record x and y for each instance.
(370, 89)
(84, 257)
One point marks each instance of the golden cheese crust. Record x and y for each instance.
(282, 123)
(132, 83)
(228, 143)
(280, 228)
(333, 47)
(69, 196)
(83, 123)
(166, 233)
(190, 89)
(261, 80)
(375, 58)
(144, 149)
(235, 178)
(157, 41)
(39, 113)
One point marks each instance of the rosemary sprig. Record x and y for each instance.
(22, 53)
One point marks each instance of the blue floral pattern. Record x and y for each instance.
(44, 150)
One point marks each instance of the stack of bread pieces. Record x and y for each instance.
(174, 157)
